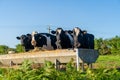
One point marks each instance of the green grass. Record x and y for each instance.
(108, 61)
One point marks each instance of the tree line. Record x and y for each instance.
(108, 46)
(4, 49)
(104, 46)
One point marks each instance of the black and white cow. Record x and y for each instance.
(26, 41)
(82, 39)
(64, 39)
(44, 40)
(78, 38)
(88, 40)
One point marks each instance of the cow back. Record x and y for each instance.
(88, 41)
(45, 41)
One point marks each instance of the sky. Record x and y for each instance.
(98, 17)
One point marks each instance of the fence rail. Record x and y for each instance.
(63, 56)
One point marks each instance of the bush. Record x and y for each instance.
(19, 48)
(3, 49)
(108, 46)
(48, 72)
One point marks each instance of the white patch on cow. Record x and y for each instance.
(34, 32)
(49, 46)
(33, 42)
(77, 31)
(59, 31)
(70, 37)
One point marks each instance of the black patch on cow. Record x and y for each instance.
(41, 39)
(88, 41)
(83, 39)
(63, 40)
(78, 41)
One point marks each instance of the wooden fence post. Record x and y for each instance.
(11, 63)
(77, 60)
(90, 66)
(57, 64)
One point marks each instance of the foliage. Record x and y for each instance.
(26, 65)
(11, 49)
(3, 49)
(48, 72)
(19, 48)
(115, 45)
(70, 66)
(103, 74)
(108, 46)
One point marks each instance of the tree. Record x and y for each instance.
(3, 49)
(102, 46)
(98, 43)
(115, 45)
(19, 48)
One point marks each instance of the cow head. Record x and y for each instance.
(78, 37)
(59, 36)
(25, 41)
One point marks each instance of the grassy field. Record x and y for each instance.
(108, 61)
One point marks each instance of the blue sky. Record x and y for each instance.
(17, 17)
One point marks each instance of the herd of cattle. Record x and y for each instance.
(58, 39)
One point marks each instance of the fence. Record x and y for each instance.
(88, 56)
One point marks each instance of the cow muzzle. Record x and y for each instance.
(77, 45)
(33, 43)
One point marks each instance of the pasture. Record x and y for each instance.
(108, 61)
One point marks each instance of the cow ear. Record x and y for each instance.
(84, 31)
(28, 34)
(53, 32)
(18, 38)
